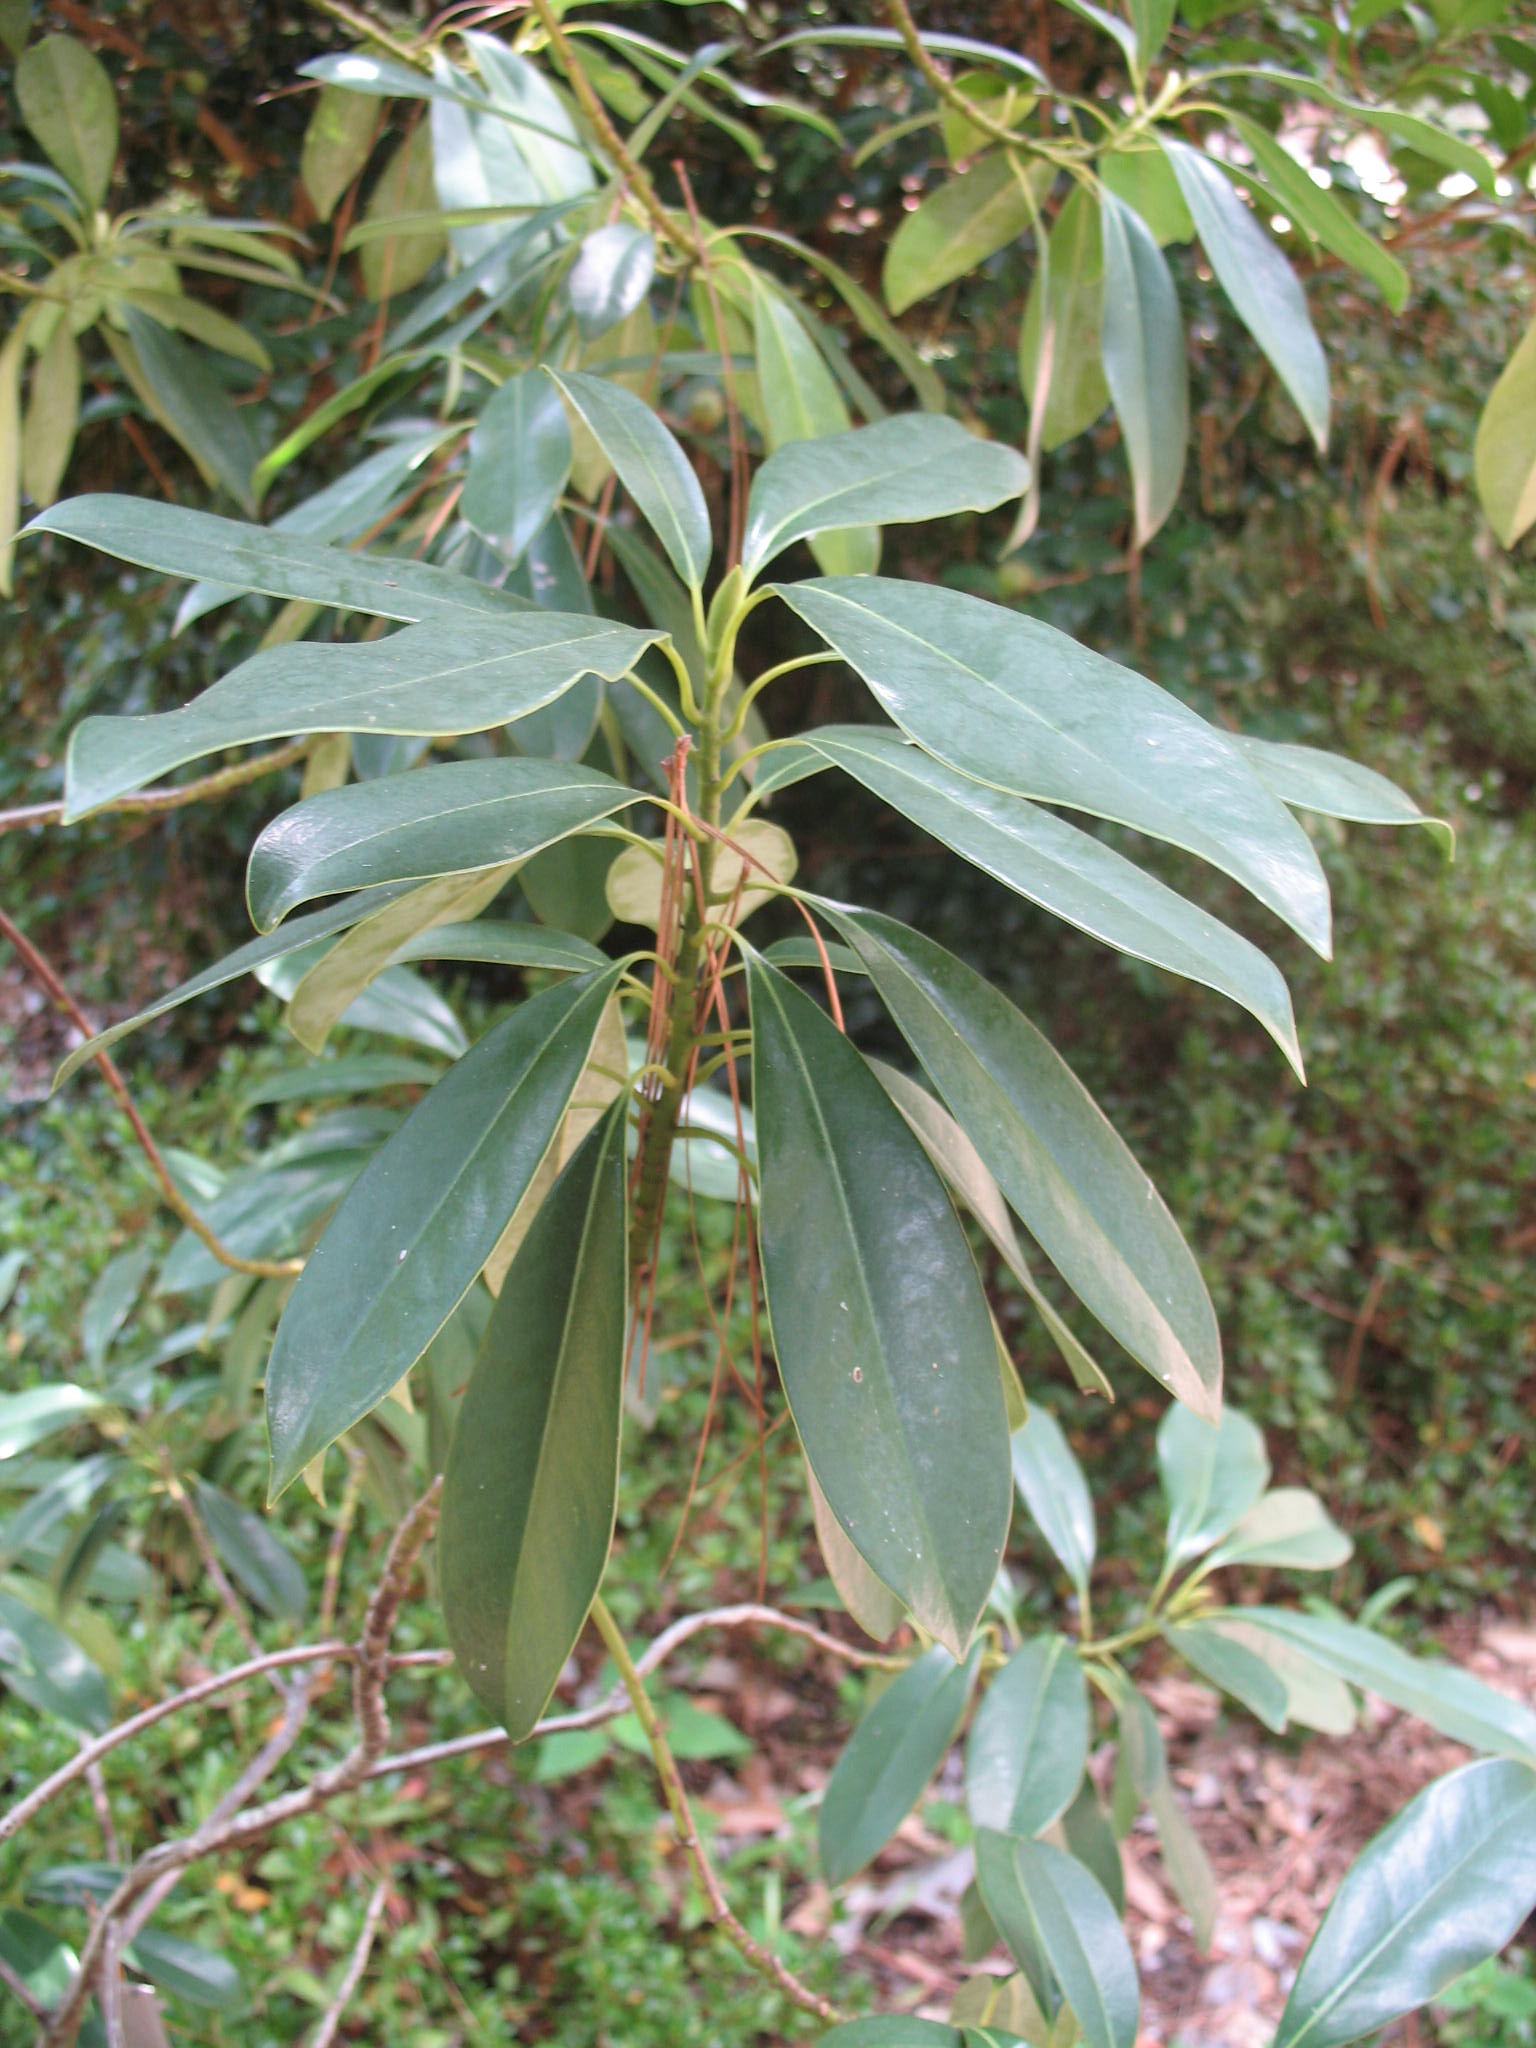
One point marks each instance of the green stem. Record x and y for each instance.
(752, 1951)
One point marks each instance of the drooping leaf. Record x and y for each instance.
(871, 1603)
(1145, 365)
(449, 819)
(1317, 213)
(958, 226)
(531, 1484)
(801, 402)
(1257, 279)
(1455, 1702)
(392, 262)
(911, 466)
(1086, 1831)
(11, 356)
(1053, 1153)
(1440, 1889)
(1505, 450)
(893, 1753)
(1234, 1669)
(519, 460)
(1053, 1489)
(256, 1558)
(337, 143)
(1428, 138)
(53, 408)
(435, 678)
(1313, 780)
(551, 574)
(651, 466)
(421, 1220)
(1289, 1527)
(1063, 1932)
(1028, 1747)
(190, 402)
(66, 99)
(1060, 348)
(1212, 1474)
(48, 1669)
(234, 553)
(611, 276)
(1065, 870)
(1315, 1698)
(1014, 703)
(886, 1351)
(1186, 1864)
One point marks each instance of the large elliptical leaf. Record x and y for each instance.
(447, 819)
(230, 552)
(1014, 703)
(1255, 276)
(1066, 871)
(958, 226)
(1029, 1746)
(1145, 364)
(1312, 779)
(519, 459)
(436, 679)
(893, 1753)
(914, 466)
(421, 1220)
(1054, 1154)
(880, 1326)
(1440, 1889)
(532, 1478)
(1053, 1489)
(651, 466)
(1064, 1934)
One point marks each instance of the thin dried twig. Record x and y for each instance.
(325, 2033)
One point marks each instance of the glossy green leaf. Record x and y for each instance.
(1455, 1702)
(1053, 1153)
(1053, 1489)
(1233, 1668)
(236, 554)
(44, 1963)
(1505, 449)
(880, 1327)
(30, 1417)
(246, 959)
(1113, 26)
(651, 466)
(110, 1300)
(433, 678)
(961, 1166)
(1313, 780)
(1065, 870)
(337, 143)
(49, 1670)
(53, 409)
(188, 1971)
(1086, 1831)
(889, 2032)
(1053, 1914)
(871, 1603)
(913, 466)
(801, 402)
(1288, 1527)
(66, 99)
(395, 260)
(193, 404)
(363, 1073)
(1028, 1747)
(1255, 276)
(958, 226)
(519, 460)
(254, 1555)
(611, 276)
(1145, 364)
(449, 819)
(1185, 1864)
(1315, 1697)
(1440, 1889)
(550, 573)
(1063, 315)
(506, 943)
(531, 1484)
(1317, 213)
(421, 1220)
(1014, 703)
(1212, 1474)
(893, 1753)
(1426, 137)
